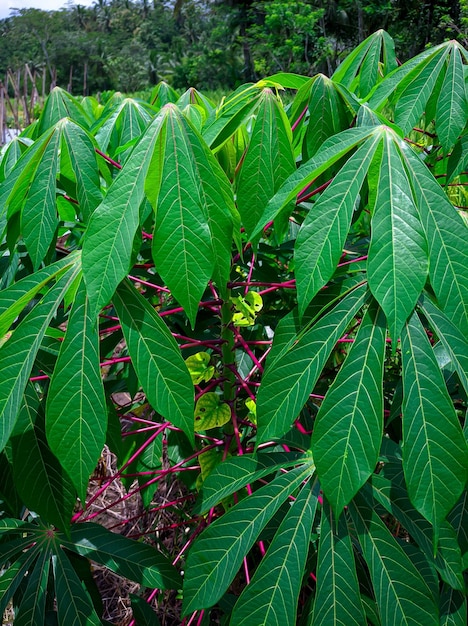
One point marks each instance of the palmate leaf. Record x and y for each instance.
(290, 376)
(233, 474)
(14, 299)
(322, 236)
(232, 113)
(58, 105)
(122, 124)
(137, 561)
(272, 595)
(17, 355)
(327, 114)
(80, 149)
(452, 108)
(76, 413)
(156, 358)
(41, 482)
(435, 453)
(182, 248)
(394, 498)
(453, 607)
(446, 236)
(402, 596)
(398, 258)
(269, 160)
(420, 83)
(332, 151)
(11, 579)
(32, 608)
(348, 427)
(361, 68)
(74, 606)
(39, 218)
(15, 188)
(217, 554)
(216, 199)
(337, 600)
(455, 344)
(107, 248)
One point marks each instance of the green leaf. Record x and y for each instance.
(32, 608)
(272, 595)
(394, 498)
(268, 161)
(400, 77)
(453, 607)
(214, 195)
(231, 115)
(332, 151)
(17, 355)
(156, 358)
(446, 236)
(363, 63)
(39, 477)
(246, 308)
(210, 412)
(337, 599)
(14, 299)
(74, 606)
(137, 561)
(348, 427)
(403, 598)
(452, 339)
(39, 216)
(76, 413)
(143, 613)
(452, 110)
(420, 83)
(322, 236)
(182, 247)
(12, 577)
(60, 104)
(398, 256)
(233, 474)
(85, 167)
(217, 554)
(108, 244)
(199, 367)
(290, 377)
(327, 115)
(435, 453)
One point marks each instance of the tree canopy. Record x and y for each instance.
(210, 44)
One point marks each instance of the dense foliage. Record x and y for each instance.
(282, 296)
(210, 44)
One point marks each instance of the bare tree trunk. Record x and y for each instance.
(85, 78)
(70, 80)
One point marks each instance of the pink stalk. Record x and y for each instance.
(246, 571)
(241, 340)
(361, 258)
(146, 284)
(307, 196)
(298, 121)
(249, 275)
(108, 159)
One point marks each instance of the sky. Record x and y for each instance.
(45, 5)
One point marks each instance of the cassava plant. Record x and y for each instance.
(281, 292)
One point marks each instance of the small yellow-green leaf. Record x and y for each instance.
(199, 367)
(246, 308)
(208, 461)
(210, 413)
(252, 406)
